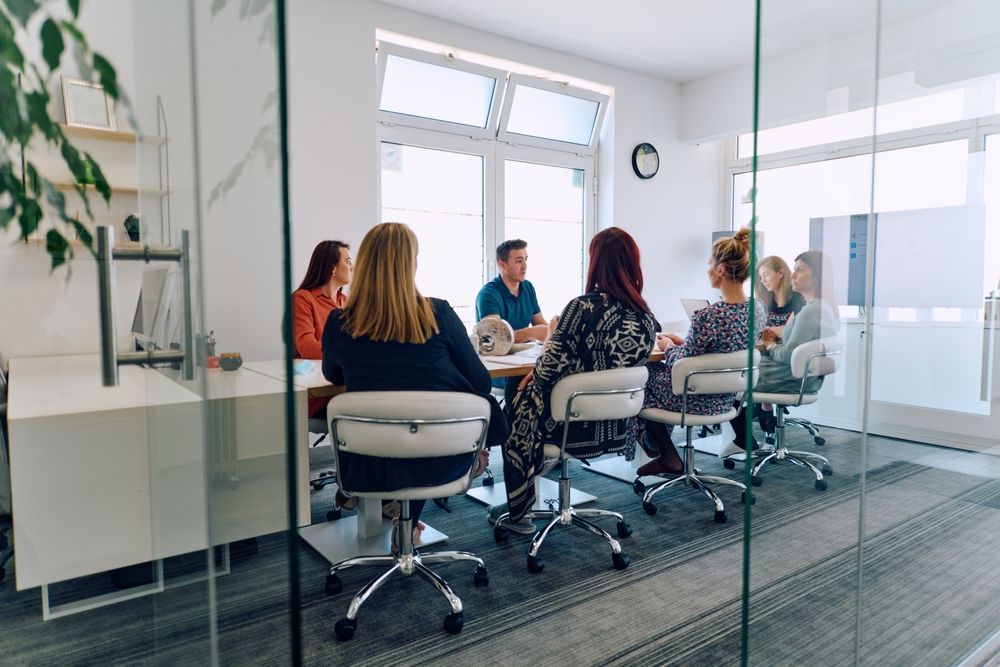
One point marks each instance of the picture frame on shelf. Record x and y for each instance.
(87, 105)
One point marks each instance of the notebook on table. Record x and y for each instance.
(692, 306)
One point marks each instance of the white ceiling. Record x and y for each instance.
(675, 40)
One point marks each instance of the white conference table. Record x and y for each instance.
(106, 477)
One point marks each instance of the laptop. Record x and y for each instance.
(692, 306)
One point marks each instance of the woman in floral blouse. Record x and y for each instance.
(720, 328)
(608, 327)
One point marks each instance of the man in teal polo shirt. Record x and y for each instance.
(512, 298)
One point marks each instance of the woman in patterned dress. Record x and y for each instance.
(721, 327)
(610, 326)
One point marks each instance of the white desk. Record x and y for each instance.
(105, 477)
(365, 534)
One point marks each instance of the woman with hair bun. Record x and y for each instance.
(720, 328)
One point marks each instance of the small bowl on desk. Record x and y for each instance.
(230, 361)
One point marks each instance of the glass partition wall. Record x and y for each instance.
(155, 501)
(874, 144)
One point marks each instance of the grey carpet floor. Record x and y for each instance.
(929, 570)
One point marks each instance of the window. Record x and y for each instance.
(471, 156)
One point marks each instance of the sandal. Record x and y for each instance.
(344, 502)
(651, 450)
(390, 509)
(482, 463)
(418, 530)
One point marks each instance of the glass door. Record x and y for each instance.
(156, 486)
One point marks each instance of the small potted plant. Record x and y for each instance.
(132, 227)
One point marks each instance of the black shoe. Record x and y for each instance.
(767, 421)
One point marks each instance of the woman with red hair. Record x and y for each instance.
(721, 327)
(610, 326)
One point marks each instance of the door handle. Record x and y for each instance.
(107, 255)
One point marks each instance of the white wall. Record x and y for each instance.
(836, 73)
(56, 313)
(334, 167)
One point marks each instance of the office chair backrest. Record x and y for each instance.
(599, 395)
(406, 425)
(817, 357)
(714, 373)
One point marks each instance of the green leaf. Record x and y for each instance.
(31, 215)
(6, 215)
(74, 32)
(38, 102)
(9, 52)
(106, 75)
(97, 177)
(22, 9)
(74, 6)
(86, 238)
(52, 44)
(57, 247)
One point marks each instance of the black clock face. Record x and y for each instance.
(645, 161)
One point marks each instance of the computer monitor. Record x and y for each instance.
(157, 314)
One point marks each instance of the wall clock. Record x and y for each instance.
(645, 161)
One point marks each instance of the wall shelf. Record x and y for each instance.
(125, 189)
(77, 132)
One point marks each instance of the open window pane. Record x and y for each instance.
(439, 194)
(544, 205)
(548, 115)
(435, 92)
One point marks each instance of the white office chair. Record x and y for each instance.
(406, 425)
(695, 376)
(817, 358)
(594, 396)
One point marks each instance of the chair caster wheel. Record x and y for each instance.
(649, 507)
(499, 534)
(743, 498)
(821, 485)
(826, 470)
(703, 433)
(317, 485)
(756, 481)
(769, 439)
(345, 628)
(620, 561)
(638, 487)
(728, 464)
(333, 515)
(453, 623)
(488, 481)
(481, 577)
(720, 516)
(535, 564)
(624, 530)
(819, 441)
(333, 584)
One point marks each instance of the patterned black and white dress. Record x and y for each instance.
(719, 328)
(595, 332)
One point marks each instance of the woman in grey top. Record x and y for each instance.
(818, 318)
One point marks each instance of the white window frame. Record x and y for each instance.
(494, 154)
(499, 77)
(513, 138)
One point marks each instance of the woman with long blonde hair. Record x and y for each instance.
(774, 290)
(389, 337)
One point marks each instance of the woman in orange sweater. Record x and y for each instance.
(321, 292)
